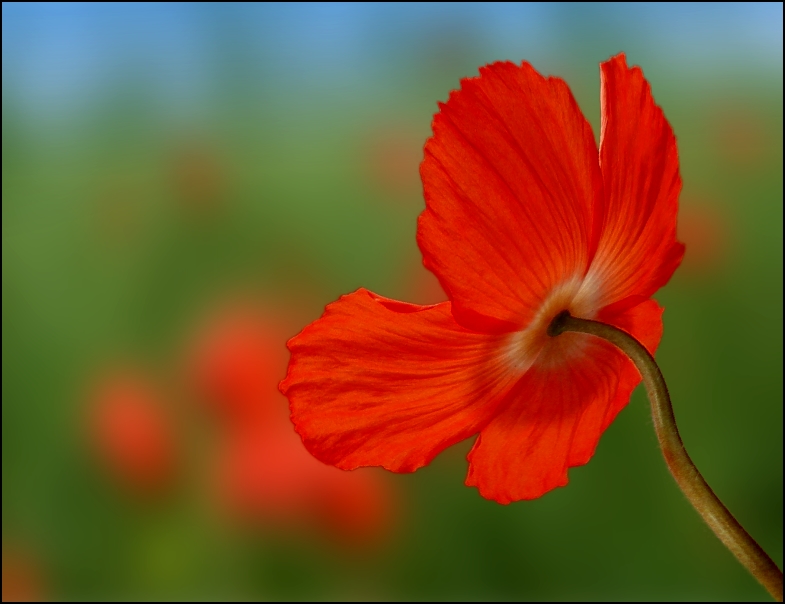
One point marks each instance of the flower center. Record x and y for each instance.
(579, 297)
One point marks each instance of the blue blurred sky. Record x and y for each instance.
(56, 55)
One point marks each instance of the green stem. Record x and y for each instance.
(703, 499)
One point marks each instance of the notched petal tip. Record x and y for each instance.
(638, 251)
(617, 59)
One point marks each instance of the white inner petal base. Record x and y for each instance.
(578, 295)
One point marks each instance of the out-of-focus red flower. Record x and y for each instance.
(705, 230)
(132, 432)
(525, 218)
(356, 507)
(21, 577)
(393, 155)
(741, 136)
(264, 476)
(237, 360)
(198, 178)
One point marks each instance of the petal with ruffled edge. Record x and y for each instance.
(554, 417)
(638, 251)
(380, 382)
(512, 183)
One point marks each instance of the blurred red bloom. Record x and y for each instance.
(524, 218)
(742, 136)
(21, 577)
(356, 508)
(132, 433)
(705, 230)
(198, 178)
(265, 476)
(237, 361)
(392, 155)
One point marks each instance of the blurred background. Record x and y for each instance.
(186, 186)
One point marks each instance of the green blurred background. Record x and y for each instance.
(160, 158)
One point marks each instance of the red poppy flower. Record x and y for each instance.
(132, 433)
(524, 218)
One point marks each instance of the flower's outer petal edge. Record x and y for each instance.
(637, 252)
(553, 419)
(380, 382)
(513, 195)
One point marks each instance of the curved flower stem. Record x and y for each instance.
(703, 499)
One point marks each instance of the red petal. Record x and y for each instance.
(638, 251)
(555, 416)
(379, 382)
(511, 180)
